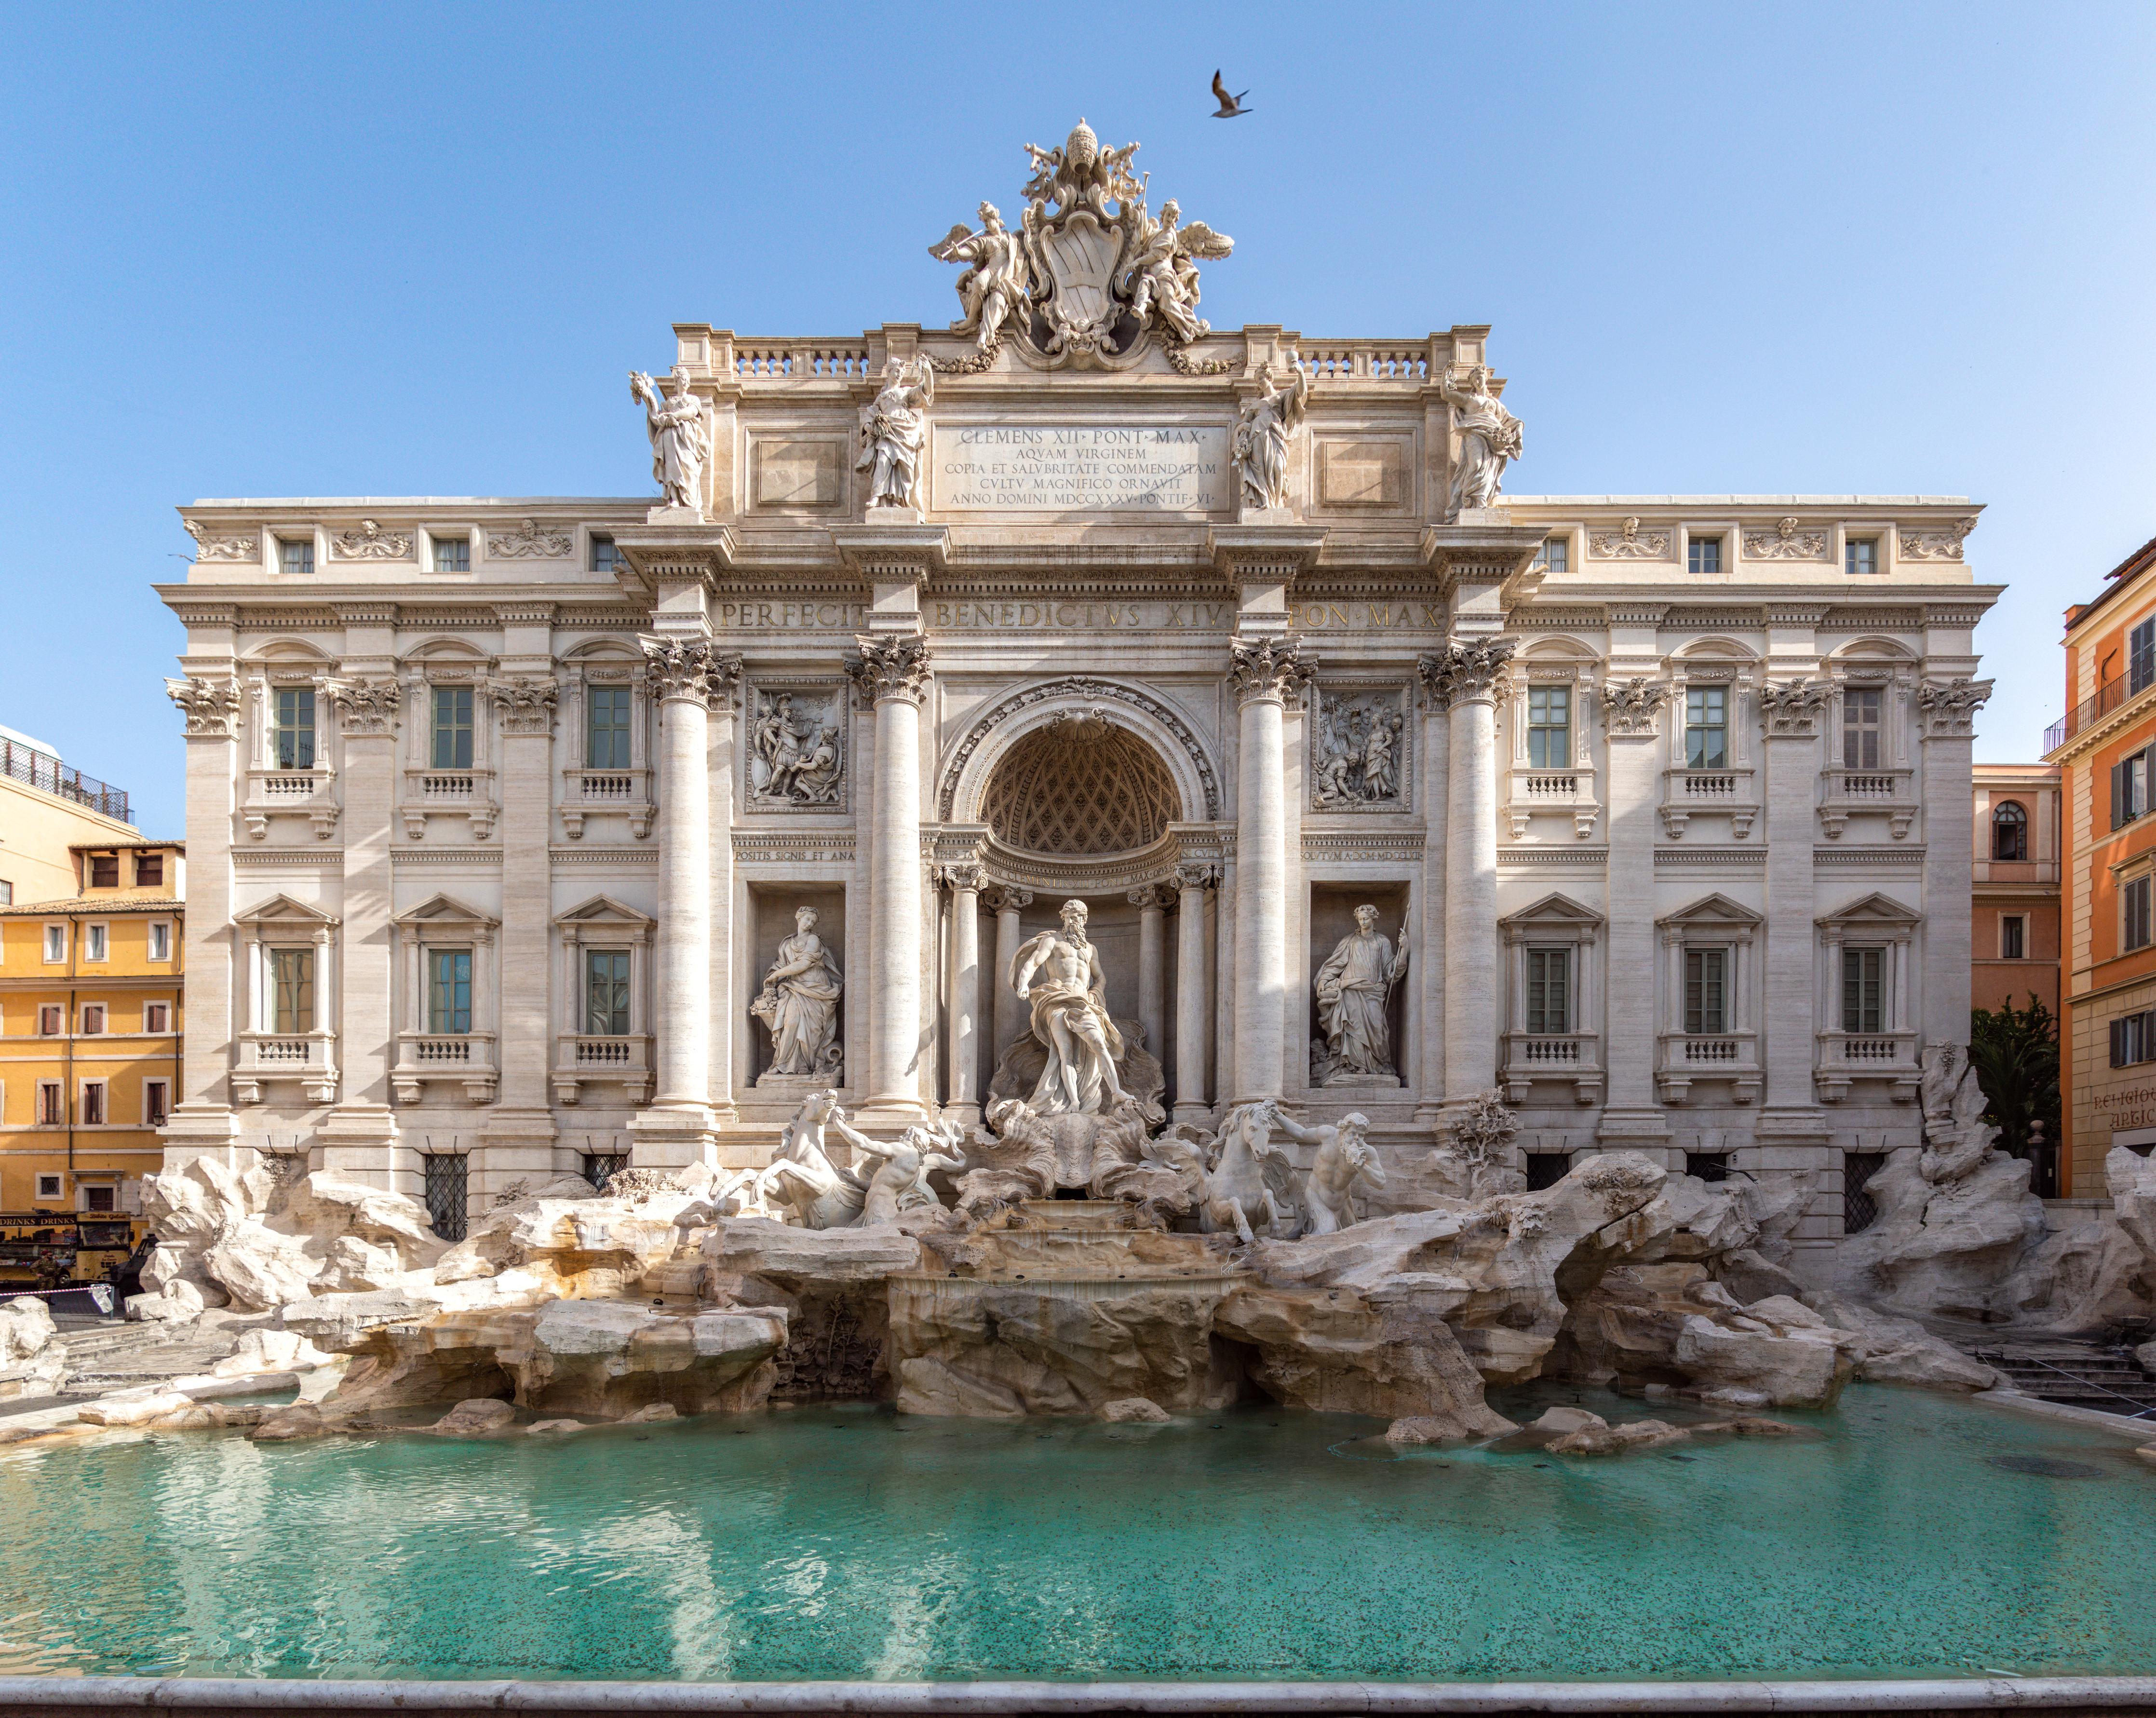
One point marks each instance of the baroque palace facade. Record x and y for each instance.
(523, 832)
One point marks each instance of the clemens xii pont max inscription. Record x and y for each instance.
(1059, 726)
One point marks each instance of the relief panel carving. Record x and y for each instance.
(796, 755)
(1358, 750)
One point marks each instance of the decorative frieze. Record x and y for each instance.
(1935, 545)
(1785, 543)
(367, 541)
(530, 540)
(211, 708)
(228, 544)
(890, 668)
(1629, 542)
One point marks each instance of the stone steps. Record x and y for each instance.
(2083, 1377)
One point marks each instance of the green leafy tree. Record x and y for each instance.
(2015, 1054)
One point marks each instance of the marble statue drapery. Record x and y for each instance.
(1069, 1009)
(799, 1002)
(1353, 987)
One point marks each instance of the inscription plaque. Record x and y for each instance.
(1091, 468)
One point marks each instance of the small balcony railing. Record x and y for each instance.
(2087, 714)
(592, 1056)
(44, 772)
(1848, 1057)
(1844, 793)
(309, 1057)
(587, 791)
(1553, 1056)
(464, 1056)
(1686, 1057)
(1687, 792)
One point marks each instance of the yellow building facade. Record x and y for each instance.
(91, 1023)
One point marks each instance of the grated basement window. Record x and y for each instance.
(1708, 1165)
(1546, 1169)
(1859, 1210)
(445, 1194)
(599, 1167)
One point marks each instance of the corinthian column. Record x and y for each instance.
(1152, 902)
(202, 1120)
(1006, 901)
(1192, 1018)
(686, 678)
(1948, 709)
(1629, 711)
(1263, 675)
(1465, 674)
(892, 675)
(966, 881)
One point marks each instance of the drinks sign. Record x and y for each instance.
(1093, 468)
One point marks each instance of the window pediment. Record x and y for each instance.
(603, 913)
(445, 914)
(283, 910)
(1716, 915)
(1555, 912)
(1874, 912)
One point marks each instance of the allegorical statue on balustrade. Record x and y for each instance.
(997, 280)
(799, 1003)
(1489, 436)
(1263, 424)
(1354, 989)
(680, 437)
(1070, 1019)
(894, 429)
(1162, 272)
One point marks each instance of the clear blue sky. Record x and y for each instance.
(413, 250)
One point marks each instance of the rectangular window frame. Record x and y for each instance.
(2134, 914)
(609, 1006)
(1706, 998)
(1549, 727)
(48, 1187)
(605, 555)
(450, 727)
(50, 1104)
(2141, 657)
(2129, 788)
(295, 556)
(52, 1020)
(104, 870)
(1864, 728)
(93, 1103)
(158, 941)
(292, 728)
(611, 701)
(289, 973)
(156, 1018)
(1865, 1004)
(149, 871)
(156, 1103)
(1859, 557)
(1703, 556)
(55, 944)
(1554, 556)
(448, 553)
(1701, 732)
(2013, 936)
(1549, 1000)
(448, 974)
(96, 1017)
(2132, 1039)
(97, 942)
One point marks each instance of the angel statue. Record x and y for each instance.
(894, 429)
(1489, 436)
(1262, 427)
(680, 437)
(994, 286)
(1163, 272)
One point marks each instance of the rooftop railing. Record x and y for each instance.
(48, 775)
(2086, 713)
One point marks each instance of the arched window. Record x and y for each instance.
(2009, 831)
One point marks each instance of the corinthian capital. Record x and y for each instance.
(679, 670)
(527, 705)
(1193, 875)
(1629, 706)
(364, 707)
(211, 706)
(1267, 669)
(890, 668)
(963, 875)
(1792, 707)
(1466, 671)
(1949, 706)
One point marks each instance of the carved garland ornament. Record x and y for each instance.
(369, 542)
(365, 706)
(890, 668)
(1950, 706)
(1792, 707)
(1936, 545)
(1077, 689)
(211, 706)
(1629, 707)
(1466, 671)
(677, 671)
(1630, 543)
(224, 545)
(530, 541)
(1788, 543)
(1267, 669)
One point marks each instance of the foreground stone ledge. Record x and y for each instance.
(93, 1694)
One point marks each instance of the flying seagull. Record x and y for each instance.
(1231, 107)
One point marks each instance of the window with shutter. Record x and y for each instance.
(2141, 658)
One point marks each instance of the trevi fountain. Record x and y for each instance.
(1225, 1049)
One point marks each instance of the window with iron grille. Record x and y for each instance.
(2009, 831)
(606, 728)
(1708, 1165)
(1862, 710)
(453, 728)
(599, 1165)
(445, 1194)
(1707, 728)
(1546, 1169)
(2141, 657)
(1858, 1210)
(1549, 727)
(295, 731)
(1704, 555)
(1863, 1001)
(1549, 987)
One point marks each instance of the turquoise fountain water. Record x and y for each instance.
(1920, 1535)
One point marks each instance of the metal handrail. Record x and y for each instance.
(1999, 1357)
(44, 771)
(2108, 697)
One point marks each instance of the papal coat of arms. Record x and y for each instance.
(1090, 272)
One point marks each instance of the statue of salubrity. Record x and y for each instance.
(1354, 990)
(680, 431)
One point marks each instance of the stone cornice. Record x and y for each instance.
(904, 552)
(1270, 554)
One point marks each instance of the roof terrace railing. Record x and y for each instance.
(2087, 713)
(48, 775)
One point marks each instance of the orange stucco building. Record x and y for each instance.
(2105, 748)
(2014, 926)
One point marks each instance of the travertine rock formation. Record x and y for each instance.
(32, 1362)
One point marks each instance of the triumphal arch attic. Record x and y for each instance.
(1064, 725)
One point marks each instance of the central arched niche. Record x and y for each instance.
(1081, 785)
